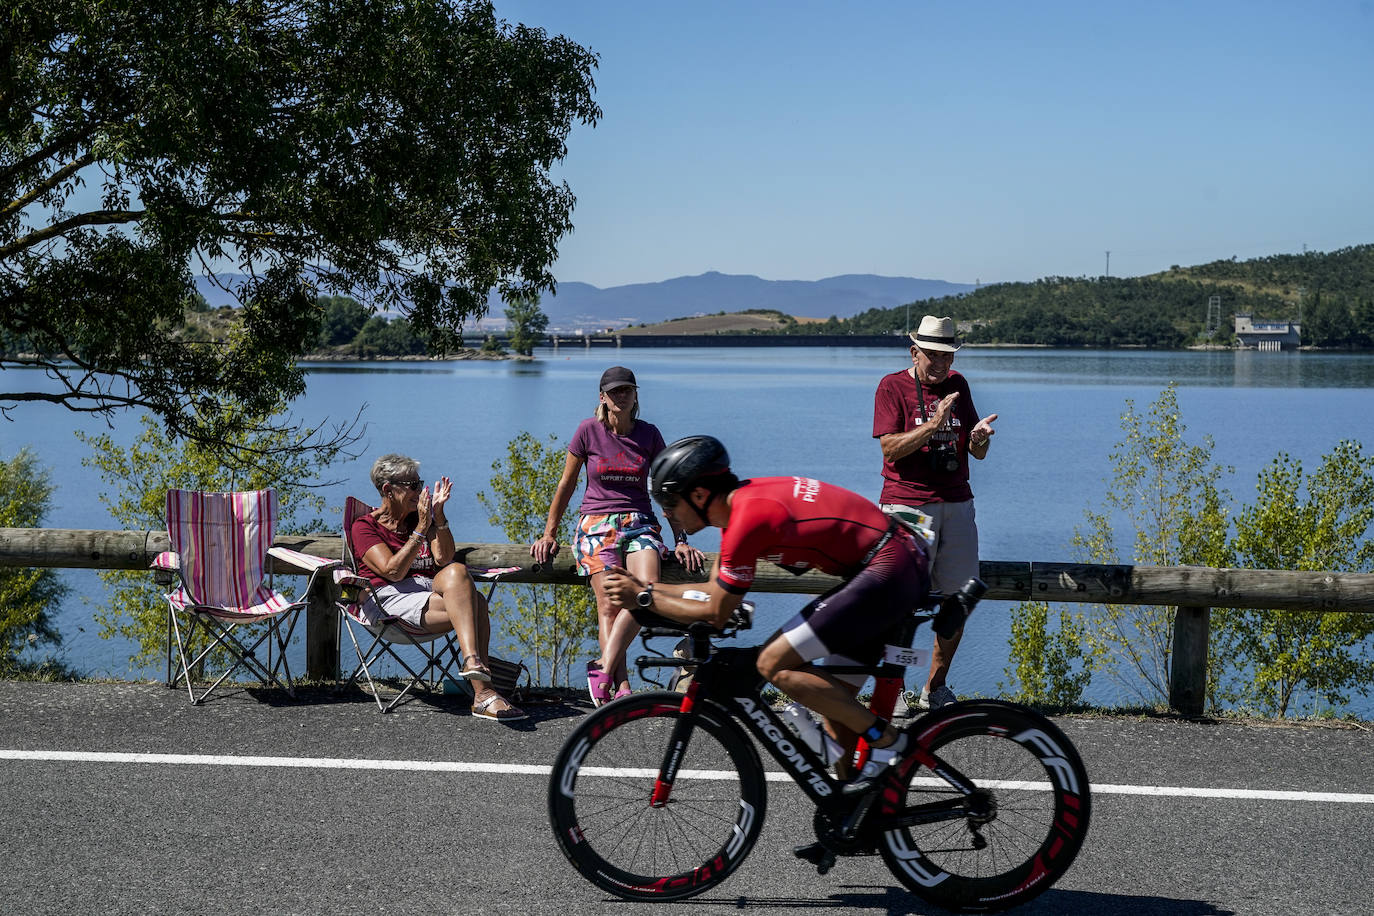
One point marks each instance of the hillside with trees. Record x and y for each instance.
(1334, 292)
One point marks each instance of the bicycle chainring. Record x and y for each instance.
(829, 833)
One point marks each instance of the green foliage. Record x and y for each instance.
(1279, 655)
(1050, 669)
(527, 324)
(387, 337)
(550, 624)
(395, 151)
(343, 318)
(27, 596)
(1166, 310)
(492, 345)
(1166, 491)
(140, 477)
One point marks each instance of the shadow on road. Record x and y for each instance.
(895, 901)
(541, 705)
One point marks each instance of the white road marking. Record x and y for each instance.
(527, 769)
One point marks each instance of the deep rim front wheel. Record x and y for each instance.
(603, 781)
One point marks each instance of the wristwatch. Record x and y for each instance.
(646, 597)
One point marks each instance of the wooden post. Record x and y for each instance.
(1188, 664)
(322, 630)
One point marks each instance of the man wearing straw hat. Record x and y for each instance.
(924, 418)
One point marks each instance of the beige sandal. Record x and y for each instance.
(482, 709)
(477, 671)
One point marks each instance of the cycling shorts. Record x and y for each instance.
(854, 619)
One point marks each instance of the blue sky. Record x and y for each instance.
(963, 141)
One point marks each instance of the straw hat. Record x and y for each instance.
(937, 334)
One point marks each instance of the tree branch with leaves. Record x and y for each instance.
(398, 152)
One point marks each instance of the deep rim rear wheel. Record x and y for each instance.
(601, 786)
(1017, 835)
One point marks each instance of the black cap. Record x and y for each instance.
(617, 377)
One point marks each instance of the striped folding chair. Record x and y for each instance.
(217, 567)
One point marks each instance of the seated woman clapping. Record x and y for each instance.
(406, 549)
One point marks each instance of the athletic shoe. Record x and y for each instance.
(883, 757)
(905, 707)
(937, 698)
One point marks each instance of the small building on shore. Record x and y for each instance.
(1262, 334)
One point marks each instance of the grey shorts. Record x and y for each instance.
(954, 552)
(406, 599)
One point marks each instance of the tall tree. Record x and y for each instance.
(527, 323)
(396, 151)
(343, 319)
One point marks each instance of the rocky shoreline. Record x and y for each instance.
(463, 354)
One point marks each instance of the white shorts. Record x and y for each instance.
(954, 552)
(406, 599)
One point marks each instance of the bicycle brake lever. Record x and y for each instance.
(742, 618)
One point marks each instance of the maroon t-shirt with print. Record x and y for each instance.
(617, 466)
(911, 481)
(367, 533)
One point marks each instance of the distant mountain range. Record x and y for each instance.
(581, 305)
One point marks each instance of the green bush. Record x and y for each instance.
(1050, 668)
(27, 595)
(549, 625)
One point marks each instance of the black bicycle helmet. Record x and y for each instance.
(681, 465)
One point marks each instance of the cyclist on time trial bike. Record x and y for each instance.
(798, 523)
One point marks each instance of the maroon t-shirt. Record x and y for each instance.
(367, 533)
(617, 466)
(798, 523)
(911, 481)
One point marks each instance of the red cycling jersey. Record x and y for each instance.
(799, 523)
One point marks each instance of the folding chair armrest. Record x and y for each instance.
(169, 560)
(305, 562)
(492, 574)
(166, 567)
(344, 577)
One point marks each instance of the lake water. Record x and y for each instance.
(784, 410)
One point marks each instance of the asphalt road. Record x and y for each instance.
(413, 832)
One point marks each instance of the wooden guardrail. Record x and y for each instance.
(1193, 590)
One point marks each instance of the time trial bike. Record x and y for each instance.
(661, 795)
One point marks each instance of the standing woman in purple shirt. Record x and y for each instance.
(616, 519)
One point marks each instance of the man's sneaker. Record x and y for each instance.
(935, 699)
(905, 707)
